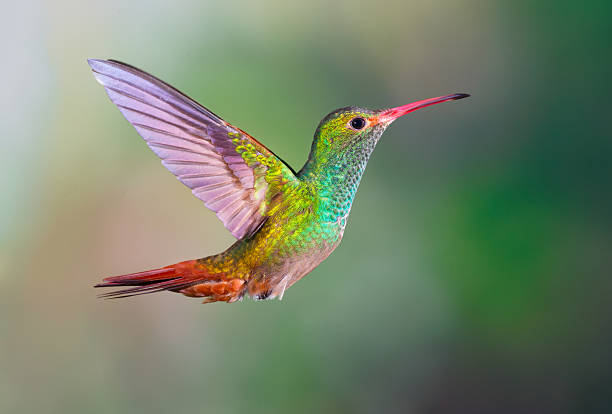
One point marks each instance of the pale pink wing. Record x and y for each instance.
(230, 171)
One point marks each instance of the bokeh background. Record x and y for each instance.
(474, 276)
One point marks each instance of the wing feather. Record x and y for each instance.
(231, 172)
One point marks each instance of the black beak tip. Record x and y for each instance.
(461, 96)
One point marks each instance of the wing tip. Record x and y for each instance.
(102, 65)
(96, 63)
(99, 67)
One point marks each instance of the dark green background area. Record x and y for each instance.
(474, 275)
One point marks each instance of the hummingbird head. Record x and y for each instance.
(351, 133)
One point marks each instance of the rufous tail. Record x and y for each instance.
(190, 278)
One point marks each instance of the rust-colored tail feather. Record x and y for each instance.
(173, 277)
(190, 278)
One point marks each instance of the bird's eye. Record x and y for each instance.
(358, 123)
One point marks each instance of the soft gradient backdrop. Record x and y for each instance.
(474, 276)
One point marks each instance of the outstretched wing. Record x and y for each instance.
(231, 172)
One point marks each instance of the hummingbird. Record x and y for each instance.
(285, 222)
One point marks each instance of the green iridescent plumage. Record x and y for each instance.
(286, 223)
(309, 216)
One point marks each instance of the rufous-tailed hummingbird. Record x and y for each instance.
(286, 222)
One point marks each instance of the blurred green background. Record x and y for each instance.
(474, 276)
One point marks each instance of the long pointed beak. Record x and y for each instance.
(390, 115)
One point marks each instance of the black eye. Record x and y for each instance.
(358, 123)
